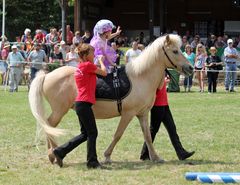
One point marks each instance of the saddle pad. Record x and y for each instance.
(105, 89)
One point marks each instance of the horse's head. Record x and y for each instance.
(173, 56)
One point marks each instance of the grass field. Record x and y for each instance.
(206, 123)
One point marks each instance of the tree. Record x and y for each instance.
(31, 14)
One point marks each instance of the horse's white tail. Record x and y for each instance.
(37, 107)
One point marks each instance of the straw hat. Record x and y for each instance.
(6, 45)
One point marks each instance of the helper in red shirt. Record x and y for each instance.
(85, 77)
(160, 112)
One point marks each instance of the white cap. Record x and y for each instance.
(14, 47)
(229, 41)
(62, 42)
(26, 31)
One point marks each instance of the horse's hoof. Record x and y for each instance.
(51, 157)
(161, 161)
(157, 159)
(107, 160)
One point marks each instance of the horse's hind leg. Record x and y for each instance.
(147, 136)
(124, 121)
(53, 120)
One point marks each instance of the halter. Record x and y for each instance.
(169, 74)
(169, 58)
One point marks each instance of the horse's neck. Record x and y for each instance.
(156, 76)
(153, 77)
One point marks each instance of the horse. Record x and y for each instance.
(146, 73)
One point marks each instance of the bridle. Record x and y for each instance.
(168, 73)
(169, 58)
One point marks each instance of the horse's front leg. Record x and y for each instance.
(143, 119)
(124, 121)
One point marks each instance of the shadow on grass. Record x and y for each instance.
(198, 162)
(139, 165)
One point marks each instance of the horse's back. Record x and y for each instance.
(60, 74)
(59, 87)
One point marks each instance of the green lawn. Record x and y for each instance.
(207, 123)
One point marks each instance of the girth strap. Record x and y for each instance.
(116, 86)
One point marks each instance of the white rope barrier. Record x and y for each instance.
(49, 63)
(212, 70)
(32, 43)
(21, 62)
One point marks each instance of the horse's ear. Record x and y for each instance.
(167, 40)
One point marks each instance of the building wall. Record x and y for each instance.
(179, 15)
(184, 15)
(129, 14)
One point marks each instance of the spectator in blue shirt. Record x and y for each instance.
(231, 55)
(14, 60)
(37, 57)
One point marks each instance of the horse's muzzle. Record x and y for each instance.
(187, 69)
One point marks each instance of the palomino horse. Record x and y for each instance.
(146, 74)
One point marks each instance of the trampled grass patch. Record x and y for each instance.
(206, 123)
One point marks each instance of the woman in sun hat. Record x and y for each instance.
(102, 33)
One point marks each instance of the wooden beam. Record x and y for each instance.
(162, 16)
(78, 15)
(151, 19)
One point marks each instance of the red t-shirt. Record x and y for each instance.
(4, 54)
(39, 37)
(85, 78)
(161, 96)
(70, 36)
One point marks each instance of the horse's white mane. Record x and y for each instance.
(151, 54)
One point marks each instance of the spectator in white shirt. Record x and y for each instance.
(132, 53)
(72, 57)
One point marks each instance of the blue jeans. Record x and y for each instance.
(33, 72)
(3, 66)
(230, 76)
(188, 82)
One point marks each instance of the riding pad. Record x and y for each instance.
(105, 86)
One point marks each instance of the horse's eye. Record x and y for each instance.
(175, 52)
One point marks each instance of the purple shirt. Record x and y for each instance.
(103, 49)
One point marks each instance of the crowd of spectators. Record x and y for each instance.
(209, 57)
(42, 47)
(39, 48)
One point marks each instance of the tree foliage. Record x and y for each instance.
(31, 14)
